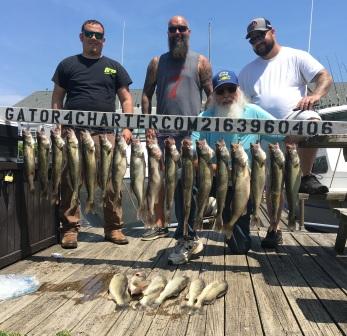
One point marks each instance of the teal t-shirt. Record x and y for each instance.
(251, 111)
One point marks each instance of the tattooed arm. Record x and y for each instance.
(323, 81)
(205, 75)
(149, 86)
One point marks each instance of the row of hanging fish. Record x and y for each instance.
(162, 168)
(152, 293)
(248, 182)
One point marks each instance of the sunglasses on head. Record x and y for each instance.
(181, 29)
(259, 37)
(229, 89)
(90, 34)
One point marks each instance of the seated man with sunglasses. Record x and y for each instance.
(228, 101)
(277, 81)
(91, 82)
(178, 77)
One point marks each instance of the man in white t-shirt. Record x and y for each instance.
(276, 81)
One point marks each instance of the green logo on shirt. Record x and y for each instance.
(110, 71)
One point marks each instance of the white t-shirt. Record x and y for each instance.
(278, 84)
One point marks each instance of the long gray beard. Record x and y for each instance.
(233, 111)
(178, 48)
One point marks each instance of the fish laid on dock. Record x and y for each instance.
(118, 290)
(138, 284)
(173, 288)
(211, 292)
(195, 289)
(152, 292)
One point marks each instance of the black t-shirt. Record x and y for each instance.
(90, 84)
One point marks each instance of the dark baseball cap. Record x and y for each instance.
(224, 77)
(258, 24)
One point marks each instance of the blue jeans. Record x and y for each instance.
(179, 192)
(180, 213)
(242, 224)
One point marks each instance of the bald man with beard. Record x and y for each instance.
(178, 77)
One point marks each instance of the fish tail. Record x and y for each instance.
(120, 306)
(141, 212)
(167, 216)
(74, 200)
(255, 221)
(44, 194)
(31, 185)
(198, 223)
(227, 230)
(104, 198)
(55, 198)
(218, 223)
(89, 207)
(186, 308)
(291, 223)
(197, 308)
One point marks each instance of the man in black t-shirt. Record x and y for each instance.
(90, 82)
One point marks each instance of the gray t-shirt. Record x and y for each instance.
(179, 91)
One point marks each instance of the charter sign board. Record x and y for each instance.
(177, 123)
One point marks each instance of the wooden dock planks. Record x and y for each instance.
(298, 289)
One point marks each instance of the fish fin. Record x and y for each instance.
(74, 200)
(255, 221)
(121, 306)
(221, 294)
(89, 207)
(227, 230)
(186, 308)
(197, 309)
(218, 223)
(135, 305)
(44, 194)
(55, 198)
(198, 223)
(291, 224)
(141, 212)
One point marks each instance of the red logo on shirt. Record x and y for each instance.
(176, 79)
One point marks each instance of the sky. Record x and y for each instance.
(37, 34)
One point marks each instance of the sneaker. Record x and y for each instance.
(184, 250)
(272, 240)
(311, 185)
(155, 233)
